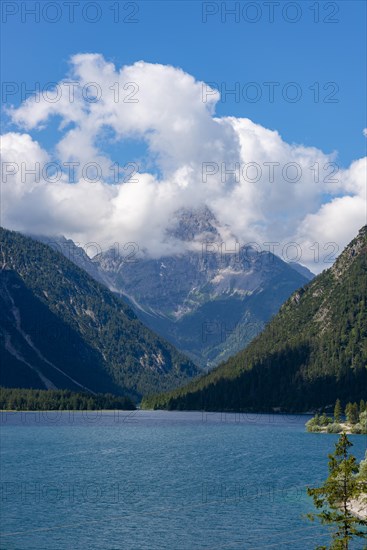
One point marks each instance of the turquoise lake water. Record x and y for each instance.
(160, 480)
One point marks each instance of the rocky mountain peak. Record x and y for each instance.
(192, 225)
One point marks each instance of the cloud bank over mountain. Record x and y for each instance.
(259, 187)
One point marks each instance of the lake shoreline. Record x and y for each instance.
(346, 427)
(65, 410)
(358, 507)
(251, 414)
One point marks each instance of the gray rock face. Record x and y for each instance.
(208, 306)
(208, 301)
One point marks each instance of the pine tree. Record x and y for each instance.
(337, 411)
(362, 406)
(352, 413)
(334, 496)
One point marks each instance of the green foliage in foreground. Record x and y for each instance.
(356, 419)
(20, 399)
(343, 485)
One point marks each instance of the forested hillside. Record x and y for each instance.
(61, 329)
(312, 352)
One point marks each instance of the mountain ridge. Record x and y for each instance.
(72, 330)
(207, 301)
(313, 351)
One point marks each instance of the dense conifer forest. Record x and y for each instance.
(20, 399)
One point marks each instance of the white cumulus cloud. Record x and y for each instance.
(256, 184)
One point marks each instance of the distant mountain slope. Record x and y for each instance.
(208, 301)
(60, 328)
(302, 270)
(313, 351)
(209, 307)
(75, 254)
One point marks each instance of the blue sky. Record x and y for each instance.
(305, 52)
(297, 70)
